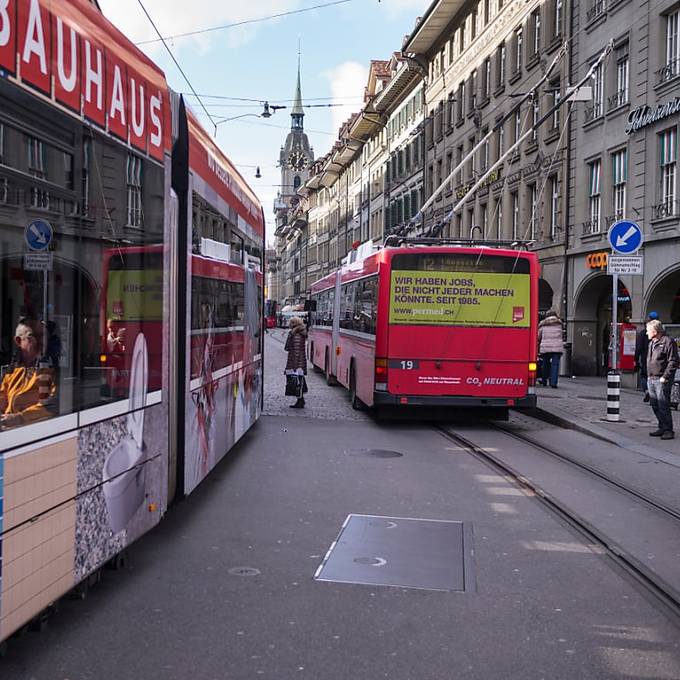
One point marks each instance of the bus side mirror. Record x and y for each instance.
(310, 305)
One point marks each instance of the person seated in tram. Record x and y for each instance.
(28, 390)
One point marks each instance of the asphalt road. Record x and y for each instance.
(225, 587)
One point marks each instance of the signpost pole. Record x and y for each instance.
(613, 376)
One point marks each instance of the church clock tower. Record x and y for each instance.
(296, 155)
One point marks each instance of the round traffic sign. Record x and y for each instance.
(38, 235)
(625, 237)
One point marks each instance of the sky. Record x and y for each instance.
(257, 60)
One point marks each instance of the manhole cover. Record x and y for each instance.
(376, 453)
(403, 552)
(591, 397)
(244, 571)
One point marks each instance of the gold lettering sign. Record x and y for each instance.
(597, 260)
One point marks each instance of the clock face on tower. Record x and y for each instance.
(297, 160)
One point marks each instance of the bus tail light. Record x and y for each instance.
(533, 367)
(103, 358)
(381, 375)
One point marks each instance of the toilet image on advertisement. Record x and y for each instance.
(124, 472)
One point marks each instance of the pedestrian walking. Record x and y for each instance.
(550, 347)
(641, 347)
(662, 360)
(296, 365)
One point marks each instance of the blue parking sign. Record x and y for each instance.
(38, 235)
(625, 237)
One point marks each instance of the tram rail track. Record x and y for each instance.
(666, 594)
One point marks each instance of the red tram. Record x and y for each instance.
(430, 324)
(150, 283)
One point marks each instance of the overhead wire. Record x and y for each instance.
(241, 23)
(172, 56)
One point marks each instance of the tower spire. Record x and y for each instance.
(297, 113)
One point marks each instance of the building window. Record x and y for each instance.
(485, 151)
(471, 160)
(449, 111)
(515, 215)
(556, 96)
(672, 65)
(557, 27)
(2, 143)
(596, 110)
(518, 126)
(519, 42)
(501, 141)
(459, 163)
(472, 94)
(669, 156)
(134, 191)
(533, 208)
(620, 97)
(473, 24)
(620, 177)
(554, 205)
(534, 120)
(461, 101)
(487, 79)
(536, 26)
(501, 65)
(594, 196)
(499, 217)
(36, 158)
(483, 219)
(449, 169)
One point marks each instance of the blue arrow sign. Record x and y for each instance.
(625, 237)
(38, 235)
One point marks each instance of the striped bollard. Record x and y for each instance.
(613, 396)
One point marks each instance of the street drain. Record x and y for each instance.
(376, 453)
(244, 571)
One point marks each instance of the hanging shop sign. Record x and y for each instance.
(644, 115)
(597, 260)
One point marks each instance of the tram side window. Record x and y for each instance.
(215, 304)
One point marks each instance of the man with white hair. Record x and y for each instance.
(662, 360)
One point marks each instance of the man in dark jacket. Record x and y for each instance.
(641, 347)
(662, 360)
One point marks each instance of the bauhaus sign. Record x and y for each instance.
(72, 54)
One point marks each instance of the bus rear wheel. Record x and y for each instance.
(357, 404)
(327, 370)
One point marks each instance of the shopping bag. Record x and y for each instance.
(292, 386)
(305, 389)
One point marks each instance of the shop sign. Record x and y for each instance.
(645, 115)
(597, 260)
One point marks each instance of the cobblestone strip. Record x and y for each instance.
(322, 401)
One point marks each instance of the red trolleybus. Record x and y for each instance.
(430, 324)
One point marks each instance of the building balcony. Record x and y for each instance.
(610, 219)
(668, 72)
(597, 9)
(666, 209)
(617, 99)
(593, 112)
(591, 227)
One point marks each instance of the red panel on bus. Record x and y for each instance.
(66, 53)
(34, 44)
(8, 38)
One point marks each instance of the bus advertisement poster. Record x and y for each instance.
(460, 298)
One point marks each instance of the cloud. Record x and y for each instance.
(179, 16)
(347, 80)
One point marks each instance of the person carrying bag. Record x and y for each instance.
(296, 364)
